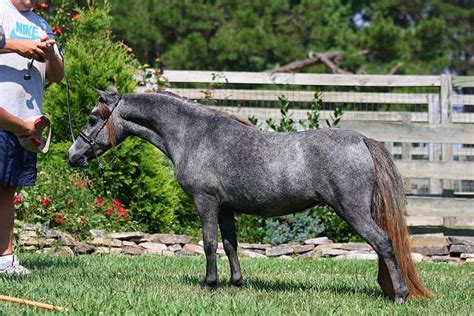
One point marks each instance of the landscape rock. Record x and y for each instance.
(83, 249)
(461, 240)
(332, 252)
(457, 249)
(97, 233)
(197, 249)
(417, 257)
(126, 236)
(314, 254)
(66, 239)
(128, 243)
(40, 242)
(466, 255)
(105, 242)
(356, 246)
(133, 250)
(246, 253)
(431, 250)
(254, 246)
(299, 249)
(153, 247)
(102, 250)
(283, 249)
(170, 239)
(318, 241)
(329, 246)
(174, 248)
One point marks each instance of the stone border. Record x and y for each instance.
(426, 248)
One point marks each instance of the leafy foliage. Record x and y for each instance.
(67, 201)
(135, 173)
(413, 37)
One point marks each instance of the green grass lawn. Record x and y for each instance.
(171, 285)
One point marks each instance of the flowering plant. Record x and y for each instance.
(69, 202)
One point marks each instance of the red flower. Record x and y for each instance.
(59, 220)
(41, 6)
(122, 212)
(99, 201)
(75, 16)
(18, 198)
(117, 203)
(109, 212)
(45, 201)
(82, 220)
(57, 31)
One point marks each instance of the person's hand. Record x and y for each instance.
(30, 49)
(28, 128)
(48, 47)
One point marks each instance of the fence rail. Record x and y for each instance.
(440, 131)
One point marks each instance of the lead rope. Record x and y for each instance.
(71, 131)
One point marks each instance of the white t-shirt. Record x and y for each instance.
(20, 97)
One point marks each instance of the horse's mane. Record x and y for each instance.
(232, 116)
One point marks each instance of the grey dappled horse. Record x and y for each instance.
(228, 167)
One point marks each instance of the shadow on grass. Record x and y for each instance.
(46, 262)
(290, 286)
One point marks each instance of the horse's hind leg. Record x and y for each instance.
(208, 207)
(229, 239)
(390, 275)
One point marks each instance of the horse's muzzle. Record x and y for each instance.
(76, 160)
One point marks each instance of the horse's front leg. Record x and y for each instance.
(229, 239)
(208, 210)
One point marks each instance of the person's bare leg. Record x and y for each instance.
(7, 214)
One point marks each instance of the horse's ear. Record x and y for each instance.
(113, 90)
(102, 95)
(109, 97)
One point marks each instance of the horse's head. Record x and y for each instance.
(99, 134)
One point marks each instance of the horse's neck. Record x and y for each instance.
(166, 122)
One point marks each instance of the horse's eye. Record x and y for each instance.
(92, 120)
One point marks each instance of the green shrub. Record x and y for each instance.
(63, 198)
(92, 60)
(295, 227)
(135, 173)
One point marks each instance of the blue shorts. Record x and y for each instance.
(17, 165)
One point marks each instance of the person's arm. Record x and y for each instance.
(54, 63)
(26, 48)
(15, 124)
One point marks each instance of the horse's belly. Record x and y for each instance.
(271, 208)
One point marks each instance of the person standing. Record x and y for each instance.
(28, 56)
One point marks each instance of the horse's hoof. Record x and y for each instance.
(209, 286)
(236, 283)
(399, 300)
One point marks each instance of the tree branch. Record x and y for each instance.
(329, 59)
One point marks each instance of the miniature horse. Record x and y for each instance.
(228, 167)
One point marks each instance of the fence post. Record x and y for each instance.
(434, 117)
(447, 149)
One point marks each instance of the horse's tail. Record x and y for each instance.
(388, 210)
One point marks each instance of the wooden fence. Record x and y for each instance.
(446, 132)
